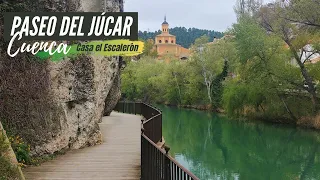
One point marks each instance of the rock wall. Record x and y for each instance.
(79, 88)
(102, 5)
(57, 105)
(113, 96)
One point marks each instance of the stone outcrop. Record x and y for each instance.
(79, 88)
(57, 105)
(9, 167)
(113, 96)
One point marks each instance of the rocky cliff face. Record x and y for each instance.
(113, 96)
(79, 88)
(57, 105)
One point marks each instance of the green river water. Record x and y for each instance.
(214, 147)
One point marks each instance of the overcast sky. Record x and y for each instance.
(215, 15)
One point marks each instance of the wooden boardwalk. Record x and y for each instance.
(117, 158)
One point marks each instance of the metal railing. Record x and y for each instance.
(156, 163)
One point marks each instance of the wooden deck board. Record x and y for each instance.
(117, 158)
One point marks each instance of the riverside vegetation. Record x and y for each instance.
(261, 68)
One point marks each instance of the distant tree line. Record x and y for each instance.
(185, 37)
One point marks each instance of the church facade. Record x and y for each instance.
(165, 44)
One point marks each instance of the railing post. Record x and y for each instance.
(143, 153)
(142, 158)
(160, 128)
(167, 171)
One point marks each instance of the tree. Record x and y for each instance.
(139, 79)
(244, 7)
(266, 76)
(300, 11)
(203, 60)
(212, 62)
(274, 18)
(149, 48)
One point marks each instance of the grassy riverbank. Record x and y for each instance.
(310, 122)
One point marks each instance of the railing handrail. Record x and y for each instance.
(150, 119)
(144, 135)
(171, 158)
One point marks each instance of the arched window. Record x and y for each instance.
(172, 41)
(167, 41)
(160, 41)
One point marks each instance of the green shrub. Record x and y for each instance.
(21, 149)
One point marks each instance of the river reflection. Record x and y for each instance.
(214, 147)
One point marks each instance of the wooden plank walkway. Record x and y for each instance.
(117, 158)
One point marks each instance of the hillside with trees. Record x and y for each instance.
(185, 37)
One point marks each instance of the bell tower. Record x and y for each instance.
(165, 26)
(166, 45)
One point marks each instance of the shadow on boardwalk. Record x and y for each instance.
(117, 158)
